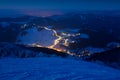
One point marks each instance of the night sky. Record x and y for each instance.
(56, 6)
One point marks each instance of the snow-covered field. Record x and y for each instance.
(54, 68)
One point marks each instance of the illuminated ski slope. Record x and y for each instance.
(46, 37)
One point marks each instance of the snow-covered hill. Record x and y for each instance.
(53, 68)
(21, 62)
(96, 30)
(89, 36)
(39, 36)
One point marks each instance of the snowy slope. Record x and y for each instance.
(43, 37)
(54, 69)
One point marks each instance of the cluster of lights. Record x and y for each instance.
(62, 37)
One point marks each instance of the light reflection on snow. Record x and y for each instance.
(65, 38)
(61, 39)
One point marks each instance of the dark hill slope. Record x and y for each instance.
(23, 51)
(110, 57)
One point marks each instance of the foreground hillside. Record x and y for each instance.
(52, 68)
(22, 62)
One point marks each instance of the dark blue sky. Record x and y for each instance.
(61, 4)
(54, 7)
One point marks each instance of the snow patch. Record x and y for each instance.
(43, 37)
(113, 44)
